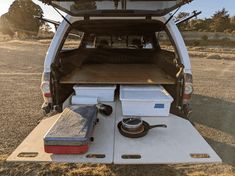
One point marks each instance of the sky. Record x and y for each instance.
(208, 7)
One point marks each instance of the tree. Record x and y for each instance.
(200, 24)
(21, 16)
(232, 21)
(45, 31)
(182, 15)
(220, 21)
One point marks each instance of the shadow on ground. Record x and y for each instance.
(218, 115)
(225, 151)
(215, 113)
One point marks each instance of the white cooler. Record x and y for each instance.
(145, 101)
(102, 92)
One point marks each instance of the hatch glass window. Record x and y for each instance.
(80, 6)
(72, 40)
(164, 41)
(118, 42)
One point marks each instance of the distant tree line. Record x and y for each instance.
(20, 19)
(220, 21)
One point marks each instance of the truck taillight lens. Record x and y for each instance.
(45, 87)
(188, 88)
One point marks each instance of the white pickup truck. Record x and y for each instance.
(120, 42)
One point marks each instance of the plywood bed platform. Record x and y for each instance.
(118, 74)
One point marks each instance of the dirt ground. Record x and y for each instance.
(21, 64)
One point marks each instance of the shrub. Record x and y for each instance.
(204, 37)
(228, 31)
(196, 43)
(225, 39)
(214, 56)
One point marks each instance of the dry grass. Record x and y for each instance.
(209, 55)
(4, 37)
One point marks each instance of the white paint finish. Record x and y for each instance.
(179, 42)
(56, 41)
(103, 143)
(180, 45)
(54, 46)
(170, 145)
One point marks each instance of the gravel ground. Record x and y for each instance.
(21, 64)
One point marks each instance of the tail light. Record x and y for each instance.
(45, 87)
(188, 88)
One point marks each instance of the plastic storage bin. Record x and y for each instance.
(78, 100)
(102, 92)
(145, 101)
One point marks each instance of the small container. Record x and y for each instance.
(132, 124)
(83, 100)
(102, 92)
(145, 101)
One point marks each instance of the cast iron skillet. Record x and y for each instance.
(140, 132)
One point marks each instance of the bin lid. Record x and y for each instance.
(94, 87)
(116, 7)
(157, 93)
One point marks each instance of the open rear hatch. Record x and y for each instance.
(180, 142)
(117, 7)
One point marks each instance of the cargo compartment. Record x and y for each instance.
(113, 52)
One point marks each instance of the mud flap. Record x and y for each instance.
(180, 142)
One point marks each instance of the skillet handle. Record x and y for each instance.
(156, 126)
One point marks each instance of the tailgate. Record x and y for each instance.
(180, 142)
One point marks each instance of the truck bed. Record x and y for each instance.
(118, 74)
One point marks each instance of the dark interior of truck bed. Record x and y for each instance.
(118, 66)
